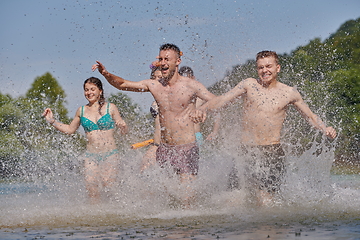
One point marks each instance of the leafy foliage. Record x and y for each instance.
(27, 138)
(46, 92)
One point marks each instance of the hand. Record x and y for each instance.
(198, 116)
(47, 112)
(48, 115)
(155, 64)
(330, 132)
(99, 66)
(211, 136)
(124, 129)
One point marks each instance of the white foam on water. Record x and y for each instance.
(309, 193)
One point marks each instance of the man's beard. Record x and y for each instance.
(171, 74)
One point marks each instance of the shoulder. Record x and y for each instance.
(248, 82)
(112, 106)
(78, 111)
(192, 82)
(291, 92)
(294, 92)
(187, 80)
(149, 82)
(287, 88)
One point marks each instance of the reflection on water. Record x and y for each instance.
(315, 204)
(210, 227)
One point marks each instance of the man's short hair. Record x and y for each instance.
(186, 71)
(170, 46)
(264, 54)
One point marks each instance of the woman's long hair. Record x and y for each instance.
(99, 85)
(153, 70)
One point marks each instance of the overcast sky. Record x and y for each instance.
(66, 37)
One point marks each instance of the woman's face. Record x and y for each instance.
(157, 75)
(92, 92)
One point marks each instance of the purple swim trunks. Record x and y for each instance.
(183, 158)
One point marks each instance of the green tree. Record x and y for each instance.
(345, 87)
(10, 146)
(346, 42)
(28, 142)
(45, 91)
(4, 99)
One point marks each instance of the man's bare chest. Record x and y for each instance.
(266, 101)
(174, 99)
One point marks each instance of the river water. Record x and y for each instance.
(315, 204)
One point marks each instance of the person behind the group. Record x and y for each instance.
(265, 101)
(150, 155)
(186, 71)
(176, 96)
(99, 119)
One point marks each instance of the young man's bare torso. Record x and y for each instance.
(264, 111)
(265, 102)
(176, 101)
(174, 94)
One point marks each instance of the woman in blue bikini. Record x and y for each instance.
(98, 119)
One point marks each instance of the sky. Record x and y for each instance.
(66, 37)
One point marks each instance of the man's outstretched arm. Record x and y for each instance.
(216, 103)
(119, 82)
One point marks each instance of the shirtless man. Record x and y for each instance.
(265, 101)
(175, 95)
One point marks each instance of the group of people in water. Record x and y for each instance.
(177, 114)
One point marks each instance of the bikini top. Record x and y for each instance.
(104, 123)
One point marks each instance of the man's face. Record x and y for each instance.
(267, 69)
(169, 61)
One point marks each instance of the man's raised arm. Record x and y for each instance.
(119, 82)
